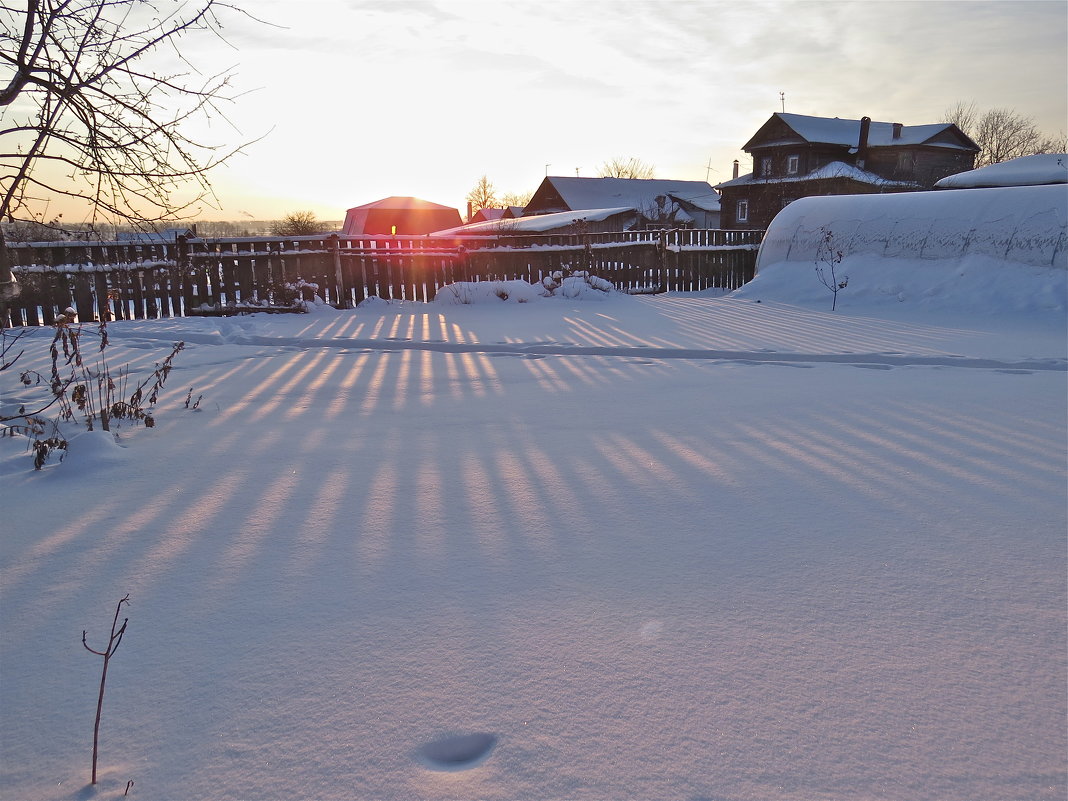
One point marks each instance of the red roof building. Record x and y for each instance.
(399, 215)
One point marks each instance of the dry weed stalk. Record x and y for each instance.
(107, 653)
(93, 393)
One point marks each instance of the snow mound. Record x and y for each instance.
(85, 452)
(577, 286)
(1042, 168)
(372, 303)
(469, 292)
(92, 450)
(1000, 249)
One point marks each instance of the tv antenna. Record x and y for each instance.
(708, 169)
(547, 169)
(782, 99)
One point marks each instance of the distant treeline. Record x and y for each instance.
(57, 231)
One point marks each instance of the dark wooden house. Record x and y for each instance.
(797, 156)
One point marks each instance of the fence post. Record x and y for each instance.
(662, 258)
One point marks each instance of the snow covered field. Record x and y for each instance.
(672, 547)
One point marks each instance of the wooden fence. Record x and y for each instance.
(131, 280)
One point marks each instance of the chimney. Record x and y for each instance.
(897, 130)
(736, 168)
(862, 145)
(469, 212)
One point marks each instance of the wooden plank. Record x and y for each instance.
(245, 276)
(137, 291)
(83, 297)
(103, 300)
(228, 280)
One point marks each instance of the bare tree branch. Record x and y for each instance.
(619, 167)
(81, 89)
(1001, 133)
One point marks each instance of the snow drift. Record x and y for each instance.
(948, 248)
(1041, 168)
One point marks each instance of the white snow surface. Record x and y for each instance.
(656, 547)
(532, 225)
(834, 169)
(1042, 168)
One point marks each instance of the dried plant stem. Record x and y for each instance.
(113, 645)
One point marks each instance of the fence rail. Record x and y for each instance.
(130, 280)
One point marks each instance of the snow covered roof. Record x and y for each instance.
(488, 214)
(1043, 168)
(154, 237)
(533, 225)
(637, 193)
(835, 169)
(835, 131)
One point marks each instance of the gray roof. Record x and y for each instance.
(638, 193)
(835, 131)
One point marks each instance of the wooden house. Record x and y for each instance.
(796, 156)
(661, 203)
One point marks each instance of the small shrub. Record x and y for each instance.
(828, 257)
(93, 394)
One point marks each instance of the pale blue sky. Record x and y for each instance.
(421, 97)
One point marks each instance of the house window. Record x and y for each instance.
(765, 166)
(793, 163)
(743, 211)
(906, 164)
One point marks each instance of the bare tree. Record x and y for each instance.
(619, 167)
(516, 198)
(483, 195)
(92, 112)
(298, 223)
(1001, 133)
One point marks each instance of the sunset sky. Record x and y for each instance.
(358, 100)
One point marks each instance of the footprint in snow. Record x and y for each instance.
(456, 752)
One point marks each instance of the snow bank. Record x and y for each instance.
(1042, 168)
(973, 248)
(534, 225)
(577, 286)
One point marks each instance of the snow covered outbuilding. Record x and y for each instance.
(919, 245)
(797, 156)
(1036, 170)
(661, 202)
(399, 215)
